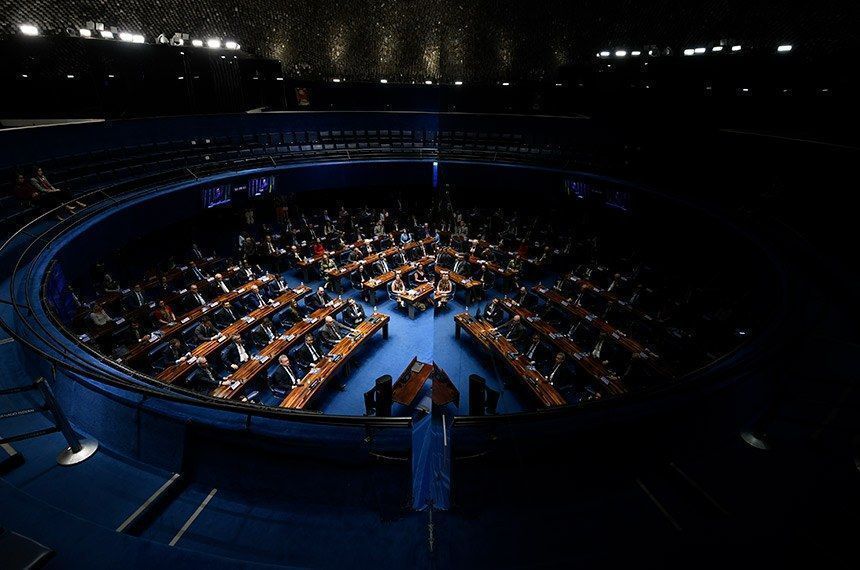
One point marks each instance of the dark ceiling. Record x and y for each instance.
(471, 40)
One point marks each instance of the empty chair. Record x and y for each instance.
(477, 395)
(377, 400)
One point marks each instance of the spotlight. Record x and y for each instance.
(85, 33)
(383, 81)
(636, 53)
(428, 82)
(279, 78)
(125, 37)
(717, 48)
(111, 75)
(458, 83)
(231, 45)
(213, 43)
(106, 34)
(29, 30)
(505, 83)
(70, 76)
(784, 48)
(620, 53)
(736, 48)
(138, 38)
(181, 77)
(700, 50)
(558, 84)
(689, 51)
(335, 80)
(197, 43)
(603, 54)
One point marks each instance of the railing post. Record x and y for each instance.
(78, 450)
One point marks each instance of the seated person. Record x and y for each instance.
(419, 277)
(356, 255)
(205, 331)
(264, 333)
(195, 274)
(291, 314)
(204, 378)
(254, 299)
(278, 285)
(493, 313)
(25, 192)
(235, 354)
(525, 299)
(359, 276)
(99, 316)
(515, 264)
(444, 290)
(294, 256)
(243, 274)
(485, 277)
(226, 315)
(513, 329)
(110, 285)
(285, 377)
(398, 287)
(381, 267)
(444, 258)
(136, 299)
(308, 354)
(318, 299)
(40, 182)
(317, 250)
(163, 315)
(333, 332)
(219, 285)
(353, 314)
(405, 237)
(397, 259)
(173, 354)
(135, 333)
(193, 298)
(327, 264)
(558, 374)
(461, 266)
(535, 351)
(196, 252)
(164, 289)
(268, 245)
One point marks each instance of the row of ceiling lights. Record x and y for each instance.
(98, 30)
(622, 53)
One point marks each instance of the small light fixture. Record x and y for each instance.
(213, 43)
(383, 81)
(736, 48)
(85, 33)
(29, 29)
(458, 82)
(197, 43)
(784, 48)
(106, 34)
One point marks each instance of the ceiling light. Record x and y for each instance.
(505, 83)
(636, 53)
(85, 33)
(736, 48)
(620, 53)
(383, 81)
(700, 50)
(603, 54)
(138, 39)
(458, 83)
(197, 43)
(335, 80)
(428, 82)
(29, 30)
(784, 48)
(717, 48)
(231, 45)
(106, 34)
(213, 43)
(125, 37)
(689, 51)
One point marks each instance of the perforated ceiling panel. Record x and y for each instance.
(455, 39)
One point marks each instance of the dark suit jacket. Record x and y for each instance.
(200, 378)
(353, 315)
(202, 335)
(303, 355)
(315, 302)
(230, 355)
(281, 380)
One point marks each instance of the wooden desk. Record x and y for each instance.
(352, 266)
(544, 392)
(166, 332)
(315, 380)
(567, 305)
(610, 297)
(281, 345)
(173, 373)
(410, 382)
(506, 276)
(307, 262)
(592, 366)
(415, 295)
(372, 285)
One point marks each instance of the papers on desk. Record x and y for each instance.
(288, 337)
(183, 268)
(234, 384)
(589, 317)
(192, 360)
(213, 304)
(152, 305)
(276, 303)
(262, 358)
(185, 320)
(126, 291)
(183, 291)
(248, 319)
(335, 357)
(222, 338)
(119, 321)
(566, 302)
(513, 355)
(240, 290)
(84, 338)
(264, 278)
(210, 279)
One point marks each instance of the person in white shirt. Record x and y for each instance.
(236, 354)
(195, 298)
(284, 377)
(98, 315)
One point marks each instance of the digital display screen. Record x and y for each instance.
(260, 187)
(217, 196)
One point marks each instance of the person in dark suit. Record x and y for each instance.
(381, 267)
(243, 274)
(535, 351)
(196, 252)
(493, 313)
(318, 299)
(226, 315)
(419, 277)
(164, 289)
(558, 374)
(356, 255)
(359, 276)
(308, 354)
(513, 329)
(137, 298)
(278, 286)
(285, 377)
(333, 332)
(525, 299)
(173, 354)
(397, 259)
(205, 331)
(255, 299)
(193, 298)
(195, 274)
(264, 333)
(353, 314)
(204, 378)
(219, 286)
(235, 354)
(462, 266)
